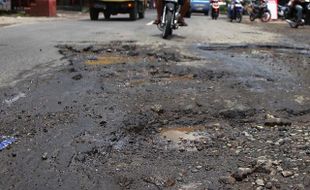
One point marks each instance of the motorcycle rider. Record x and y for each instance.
(262, 4)
(233, 7)
(214, 1)
(296, 4)
(183, 11)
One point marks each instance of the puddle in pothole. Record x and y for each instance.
(270, 62)
(266, 47)
(185, 138)
(111, 59)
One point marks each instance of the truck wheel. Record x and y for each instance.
(141, 10)
(134, 12)
(94, 14)
(107, 15)
(141, 15)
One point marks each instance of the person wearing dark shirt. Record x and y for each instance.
(296, 4)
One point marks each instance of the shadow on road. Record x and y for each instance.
(173, 36)
(117, 19)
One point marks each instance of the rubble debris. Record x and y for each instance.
(227, 180)
(44, 156)
(157, 108)
(242, 173)
(263, 165)
(260, 182)
(287, 173)
(277, 122)
(306, 181)
(77, 77)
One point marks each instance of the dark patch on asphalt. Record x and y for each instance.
(77, 77)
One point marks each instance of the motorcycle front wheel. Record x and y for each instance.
(252, 17)
(266, 16)
(238, 17)
(168, 24)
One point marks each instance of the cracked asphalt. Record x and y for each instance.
(111, 105)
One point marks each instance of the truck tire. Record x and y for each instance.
(141, 15)
(94, 14)
(107, 15)
(141, 10)
(134, 12)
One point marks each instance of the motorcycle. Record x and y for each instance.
(235, 11)
(169, 18)
(215, 9)
(282, 12)
(260, 11)
(292, 19)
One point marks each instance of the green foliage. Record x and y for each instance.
(223, 9)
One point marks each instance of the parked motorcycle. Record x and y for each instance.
(169, 18)
(215, 9)
(282, 12)
(260, 11)
(292, 18)
(235, 11)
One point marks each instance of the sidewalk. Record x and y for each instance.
(13, 19)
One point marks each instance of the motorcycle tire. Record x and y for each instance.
(168, 25)
(266, 16)
(133, 15)
(252, 17)
(292, 24)
(238, 17)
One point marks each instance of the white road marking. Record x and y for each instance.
(150, 23)
(15, 98)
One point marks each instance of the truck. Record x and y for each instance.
(135, 8)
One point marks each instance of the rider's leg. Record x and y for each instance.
(159, 9)
(298, 9)
(233, 11)
(183, 11)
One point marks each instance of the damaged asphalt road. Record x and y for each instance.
(126, 116)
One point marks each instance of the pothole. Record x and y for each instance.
(219, 47)
(185, 138)
(111, 59)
